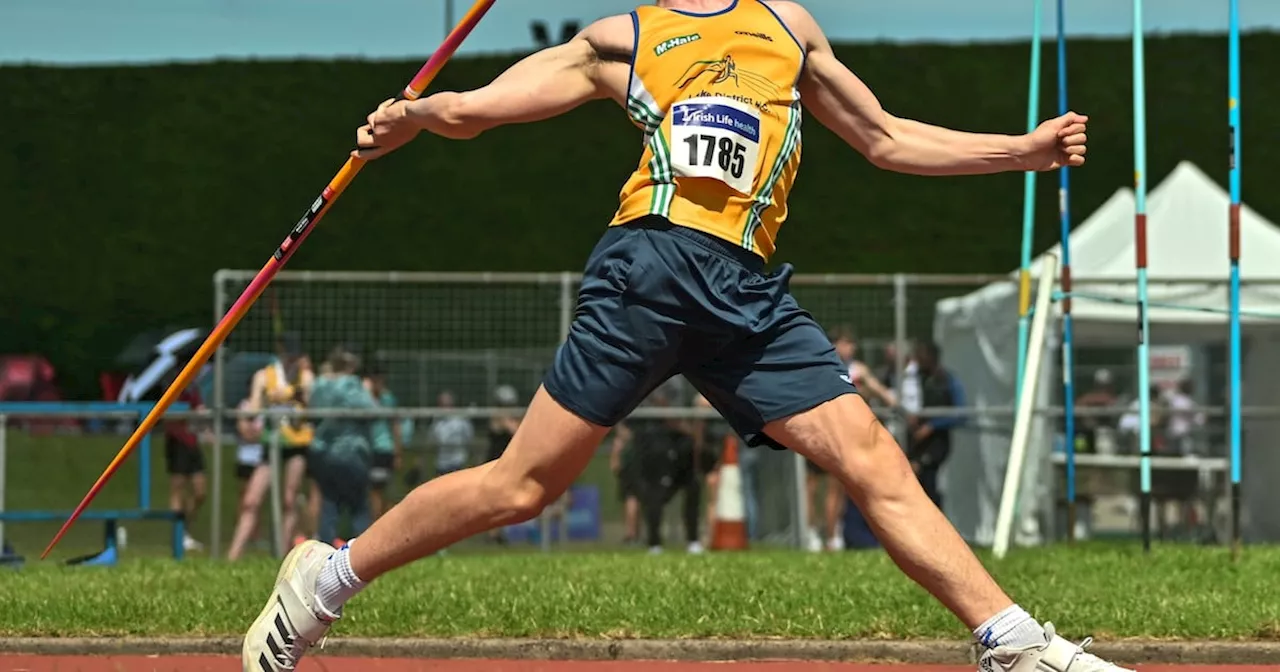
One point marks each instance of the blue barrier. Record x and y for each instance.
(583, 518)
(143, 512)
(109, 519)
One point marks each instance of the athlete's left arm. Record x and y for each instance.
(593, 65)
(843, 103)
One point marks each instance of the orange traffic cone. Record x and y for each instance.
(729, 531)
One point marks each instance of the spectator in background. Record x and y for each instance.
(930, 441)
(869, 386)
(1185, 423)
(871, 389)
(665, 450)
(1131, 421)
(1100, 395)
(452, 436)
(254, 473)
(708, 440)
(1177, 491)
(184, 462)
(1169, 489)
(285, 384)
(342, 454)
(625, 467)
(1094, 434)
(909, 401)
(502, 428)
(387, 443)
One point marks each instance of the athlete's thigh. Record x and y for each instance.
(785, 367)
(621, 343)
(844, 437)
(551, 446)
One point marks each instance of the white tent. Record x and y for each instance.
(1187, 243)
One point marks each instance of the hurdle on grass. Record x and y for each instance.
(35, 410)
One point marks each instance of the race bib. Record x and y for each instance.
(717, 138)
(250, 454)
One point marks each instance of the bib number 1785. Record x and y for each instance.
(718, 139)
(709, 150)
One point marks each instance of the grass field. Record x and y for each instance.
(1101, 590)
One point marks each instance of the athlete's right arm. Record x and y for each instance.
(593, 65)
(843, 103)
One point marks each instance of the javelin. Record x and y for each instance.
(277, 261)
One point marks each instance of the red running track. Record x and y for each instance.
(25, 663)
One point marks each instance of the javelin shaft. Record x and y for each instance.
(299, 233)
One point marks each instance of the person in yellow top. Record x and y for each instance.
(677, 285)
(285, 384)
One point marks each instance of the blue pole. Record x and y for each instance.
(144, 466)
(1028, 209)
(1064, 216)
(1233, 107)
(1140, 234)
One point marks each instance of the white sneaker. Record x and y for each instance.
(695, 548)
(813, 541)
(655, 550)
(190, 544)
(1055, 655)
(288, 624)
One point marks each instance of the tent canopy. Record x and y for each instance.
(1186, 234)
(1187, 264)
(1187, 241)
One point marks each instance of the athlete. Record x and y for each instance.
(677, 285)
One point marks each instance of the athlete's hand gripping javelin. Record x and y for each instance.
(387, 129)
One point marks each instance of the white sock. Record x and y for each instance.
(1011, 627)
(336, 584)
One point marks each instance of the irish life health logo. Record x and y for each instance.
(668, 45)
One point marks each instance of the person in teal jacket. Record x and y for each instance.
(389, 438)
(342, 454)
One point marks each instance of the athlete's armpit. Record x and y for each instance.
(831, 92)
(843, 103)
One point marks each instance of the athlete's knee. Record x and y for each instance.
(868, 443)
(848, 441)
(517, 496)
(528, 500)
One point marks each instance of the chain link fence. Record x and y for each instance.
(462, 340)
(479, 337)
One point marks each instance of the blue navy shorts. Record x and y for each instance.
(660, 300)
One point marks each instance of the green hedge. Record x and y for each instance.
(124, 189)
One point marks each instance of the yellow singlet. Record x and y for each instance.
(279, 393)
(716, 97)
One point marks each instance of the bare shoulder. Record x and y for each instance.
(612, 38)
(799, 21)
